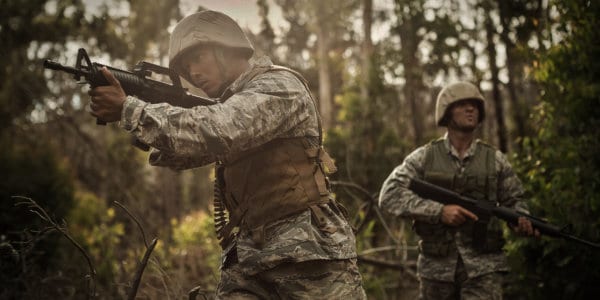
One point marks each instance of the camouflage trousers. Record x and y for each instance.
(318, 279)
(484, 287)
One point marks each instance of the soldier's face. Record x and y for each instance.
(203, 70)
(465, 115)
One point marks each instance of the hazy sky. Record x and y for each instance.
(245, 12)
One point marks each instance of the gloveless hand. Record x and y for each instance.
(524, 228)
(107, 101)
(455, 215)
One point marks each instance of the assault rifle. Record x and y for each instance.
(135, 83)
(484, 210)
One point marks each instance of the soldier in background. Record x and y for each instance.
(284, 237)
(460, 256)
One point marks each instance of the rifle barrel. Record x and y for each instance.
(52, 65)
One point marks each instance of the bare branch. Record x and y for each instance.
(387, 248)
(405, 268)
(140, 270)
(357, 187)
(142, 266)
(39, 211)
(371, 199)
(135, 220)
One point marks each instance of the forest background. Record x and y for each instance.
(375, 66)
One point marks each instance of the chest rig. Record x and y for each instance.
(269, 182)
(476, 178)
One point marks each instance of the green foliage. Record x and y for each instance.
(46, 160)
(34, 173)
(560, 164)
(92, 223)
(365, 143)
(366, 146)
(191, 258)
(373, 285)
(32, 28)
(92, 166)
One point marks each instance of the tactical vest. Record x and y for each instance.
(280, 178)
(267, 183)
(476, 179)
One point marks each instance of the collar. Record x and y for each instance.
(257, 65)
(451, 150)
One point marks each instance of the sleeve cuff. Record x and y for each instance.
(436, 215)
(131, 113)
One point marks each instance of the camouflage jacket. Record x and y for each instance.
(397, 199)
(271, 105)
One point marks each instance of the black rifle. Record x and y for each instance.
(134, 83)
(485, 209)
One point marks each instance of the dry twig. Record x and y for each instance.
(142, 265)
(36, 209)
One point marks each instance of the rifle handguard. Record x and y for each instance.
(439, 194)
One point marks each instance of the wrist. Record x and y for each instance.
(131, 112)
(438, 216)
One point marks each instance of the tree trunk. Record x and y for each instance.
(517, 107)
(499, 109)
(367, 48)
(413, 76)
(325, 97)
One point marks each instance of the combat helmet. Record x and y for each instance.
(453, 93)
(206, 27)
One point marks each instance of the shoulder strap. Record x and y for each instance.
(429, 149)
(305, 83)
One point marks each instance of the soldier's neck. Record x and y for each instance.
(461, 140)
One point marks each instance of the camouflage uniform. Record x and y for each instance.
(297, 256)
(472, 271)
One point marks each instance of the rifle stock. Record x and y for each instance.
(439, 194)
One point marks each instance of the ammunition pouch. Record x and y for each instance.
(437, 240)
(488, 237)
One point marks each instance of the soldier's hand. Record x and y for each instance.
(455, 215)
(107, 101)
(524, 228)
